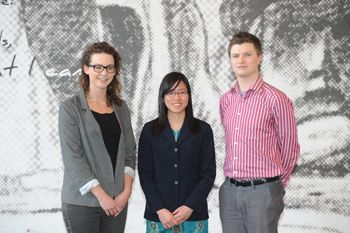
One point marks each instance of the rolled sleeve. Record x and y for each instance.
(86, 188)
(130, 172)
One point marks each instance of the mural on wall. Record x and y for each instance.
(306, 54)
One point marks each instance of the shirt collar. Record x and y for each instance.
(256, 86)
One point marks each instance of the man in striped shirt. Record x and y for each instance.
(261, 144)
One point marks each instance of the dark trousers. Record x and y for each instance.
(84, 219)
(251, 209)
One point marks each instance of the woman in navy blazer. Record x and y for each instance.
(98, 147)
(176, 162)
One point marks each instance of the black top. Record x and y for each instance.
(111, 131)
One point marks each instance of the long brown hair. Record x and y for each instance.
(114, 88)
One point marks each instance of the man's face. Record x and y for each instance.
(245, 60)
(310, 64)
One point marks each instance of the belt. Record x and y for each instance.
(256, 182)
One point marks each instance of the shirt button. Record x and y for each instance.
(175, 165)
(176, 182)
(242, 100)
(175, 149)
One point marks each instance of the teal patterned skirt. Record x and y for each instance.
(185, 227)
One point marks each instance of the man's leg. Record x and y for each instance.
(263, 206)
(231, 208)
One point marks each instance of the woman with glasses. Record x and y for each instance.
(176, 162)
(98, 146)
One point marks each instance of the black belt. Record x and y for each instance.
(256, 182)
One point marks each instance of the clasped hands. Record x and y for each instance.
(113, 207)
(177, 217)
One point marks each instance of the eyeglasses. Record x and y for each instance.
(173, 93)
(99, 68)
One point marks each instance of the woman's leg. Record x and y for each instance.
(111, 224)
(81, 219)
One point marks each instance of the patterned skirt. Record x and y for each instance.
(185, 227)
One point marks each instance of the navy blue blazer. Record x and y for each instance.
(179, 173)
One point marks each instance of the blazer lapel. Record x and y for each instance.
(119, 114)
(88, 114)
(168, 133)
(185, 132)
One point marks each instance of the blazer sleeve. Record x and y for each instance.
(207, 173)
(130, 144)
(146, 171)
(72, 148)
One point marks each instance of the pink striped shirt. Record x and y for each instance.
(261, 133)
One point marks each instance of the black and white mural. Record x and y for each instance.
(306, 54)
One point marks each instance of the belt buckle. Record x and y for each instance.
(235, 182)
(241, 183)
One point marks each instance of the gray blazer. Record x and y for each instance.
(85, 156)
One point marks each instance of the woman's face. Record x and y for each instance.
(176, 101)
(100, 80)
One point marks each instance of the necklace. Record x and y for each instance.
(176, 123)
(176, 128)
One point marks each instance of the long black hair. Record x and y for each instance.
(166, 85)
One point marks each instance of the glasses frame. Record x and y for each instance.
(104, 67)
(176, 92)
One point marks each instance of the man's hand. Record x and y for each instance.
(167, 218)
(182, 213)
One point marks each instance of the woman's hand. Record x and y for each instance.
(121, 201)
(124, 196)
(182, 213)
(106, 202)
(108, 205)
(167, 218)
